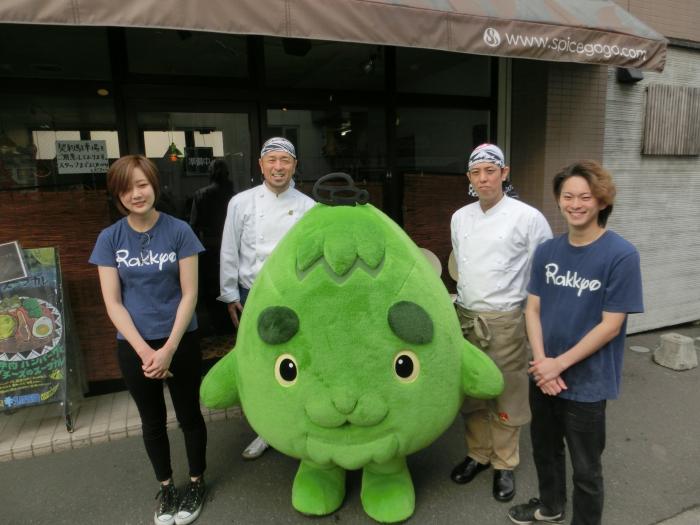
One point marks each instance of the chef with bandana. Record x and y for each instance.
(256, 221)
(494, 240)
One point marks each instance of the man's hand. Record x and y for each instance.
(553, 387)
(234, 310)
(544, 370)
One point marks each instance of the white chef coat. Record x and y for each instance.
(493, 251)
(256, 220)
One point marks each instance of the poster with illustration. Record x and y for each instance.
(32, 334)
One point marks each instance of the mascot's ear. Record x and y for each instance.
(481, 378)
(219, 388)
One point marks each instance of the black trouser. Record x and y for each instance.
(186, 368)
(582, 425)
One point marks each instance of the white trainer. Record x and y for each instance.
(255, 449)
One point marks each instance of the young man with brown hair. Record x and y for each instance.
(583, 285)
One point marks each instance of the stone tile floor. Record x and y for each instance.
(39, 430)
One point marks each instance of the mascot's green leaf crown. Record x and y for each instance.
(350, 355)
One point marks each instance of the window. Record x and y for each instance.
(157, 143)
(443, 73)
(112, 140)
(187, 53)
(438, 139)
(300, 63)
(29, 51)
(200, 136)
(348, 139)
(211, 139)
(45, 142)
(30, 125)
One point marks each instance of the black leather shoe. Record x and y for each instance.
(467, 470)
(503, 485)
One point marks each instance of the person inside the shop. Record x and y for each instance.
(207, 217)
(494, 240)
(583, 285)
(256, 221)
(147, 264)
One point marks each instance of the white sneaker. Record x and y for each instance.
(167, 505)
(255, 449)
(191, 504)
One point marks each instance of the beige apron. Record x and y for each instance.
(501, 335)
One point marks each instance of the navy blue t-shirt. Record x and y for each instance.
(149, 270)
(576, 284)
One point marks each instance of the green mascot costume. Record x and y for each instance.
(349, 355)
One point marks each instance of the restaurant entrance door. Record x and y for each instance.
(183, 144)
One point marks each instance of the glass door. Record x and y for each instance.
(182, 145)
(186, 147)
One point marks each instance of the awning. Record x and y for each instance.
(589, 31)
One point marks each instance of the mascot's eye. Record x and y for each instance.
(286, 370)
(406, 366)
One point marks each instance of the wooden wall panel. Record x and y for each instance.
(672, 122)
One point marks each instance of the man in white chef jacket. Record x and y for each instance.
(256, 220)
(494, 240)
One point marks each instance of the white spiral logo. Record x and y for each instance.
(491, 37)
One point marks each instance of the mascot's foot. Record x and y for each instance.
(318, 490)
(387, 494)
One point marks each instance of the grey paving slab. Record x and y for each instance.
(689, 517)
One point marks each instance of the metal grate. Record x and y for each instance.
(672, 125)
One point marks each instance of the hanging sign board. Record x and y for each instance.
(11, 262)
(33, 326)
(197, 160)
(81, 156)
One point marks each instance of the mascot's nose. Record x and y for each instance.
(341, 407)
(344, 401)
(371, 410)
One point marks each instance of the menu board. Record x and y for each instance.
(33, 334)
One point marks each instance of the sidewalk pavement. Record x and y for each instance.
(689, 517)
(99, 473)
(40, 430)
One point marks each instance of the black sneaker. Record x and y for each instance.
(167, 505)
(532, 512)
(191, 504)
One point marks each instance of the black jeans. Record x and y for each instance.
(582, 425)
(148, 394)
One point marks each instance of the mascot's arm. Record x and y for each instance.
(481, 378)
(219, 388)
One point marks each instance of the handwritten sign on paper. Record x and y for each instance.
(81, 156)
